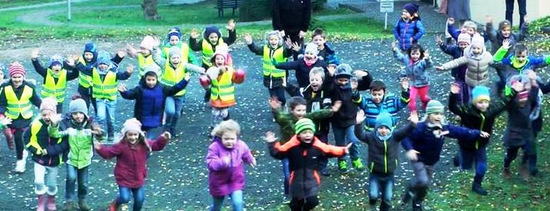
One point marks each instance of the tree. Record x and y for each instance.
(150, 10)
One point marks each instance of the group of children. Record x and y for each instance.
(326, 94)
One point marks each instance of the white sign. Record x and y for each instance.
(386, 5)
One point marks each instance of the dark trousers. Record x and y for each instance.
(510, 11)
(18, 139)
(467, 158)
(303, 204)
(323, 160)
(279, 93)
(512, 153)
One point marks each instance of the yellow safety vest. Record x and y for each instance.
(83, 79)
(269, 68)
(208, 52)
(224, 88)
(171, 77)
(143, 62)
(105, 89)
(36, 125)
(52, 89)
(18, 106)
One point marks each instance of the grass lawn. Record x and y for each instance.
(16, 3)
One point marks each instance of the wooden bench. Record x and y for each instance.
(223, 4)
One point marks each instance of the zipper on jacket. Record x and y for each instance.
(480, 128)
(385, 157)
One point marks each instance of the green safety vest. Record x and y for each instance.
(208, 52)
(18, 106)
(143, 62)
(171, 77)
(83, 79)
(224, 88)
(269, 68)
(105, 89)
(52, 89)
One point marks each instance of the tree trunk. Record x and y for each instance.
(150, 10)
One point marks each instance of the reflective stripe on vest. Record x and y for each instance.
(105, 89)
(171, 77)
(223, 89)
(51, 89)
(269, 68)
(18, 106)
(208, 52)
(83, 79)
(143, 62)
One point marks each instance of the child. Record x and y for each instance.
(222, 77)
(225, 160)
(132, 152)
(468, 27)
(174, 40)
(520, 60)
(423, 147)
(7, 131)
(56, 76)
(409, 29)
(79, 129)
(379, 102)
(457, 51)
(504, 32)
(304, 65)
(144, 55)
(16, 97)
(47, 153)
(173, 71)
(480, 114)
(301, 151)
(326, 52)
(478, 60)
(343, 121)
(105, 77)
(417, 61)
(150, 97)
(519, 130)
(274, 78)
(383, 144)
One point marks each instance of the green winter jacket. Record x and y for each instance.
(80, 141)
(286, 121)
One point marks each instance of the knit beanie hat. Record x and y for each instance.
(520, 79)
(56, 60)
(221, 52)
(478, 41)
(384, 119)
(174, 31)
(90, 47)
(434, 106)
(411, 8)
(152, 68)
(480, 93)
(175, 50)
(273, 33)
(304, 124)
(104, 57)
(50, 104)
(131, 125)
(211, 29)
(78, 105)
(147, 43)
(470, 24)
(312, 47)
(16, 68)
(464, 38)
(343, 71)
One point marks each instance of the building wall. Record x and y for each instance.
(497, 9)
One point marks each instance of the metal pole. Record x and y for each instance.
(386, 22)
(69, 10)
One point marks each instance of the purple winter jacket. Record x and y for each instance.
(226, 178)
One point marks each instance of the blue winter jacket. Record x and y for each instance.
(415, 71)
(429, 147)
(459, 73)
(404, 31)
(391, 103)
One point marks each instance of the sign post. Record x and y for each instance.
(386, 6)
(69, 10)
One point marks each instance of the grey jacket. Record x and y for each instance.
(415, 71)
(478, 66)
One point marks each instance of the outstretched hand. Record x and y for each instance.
(231, 25)
(484, 134)
(248, 38)
(360, 117)
(167, 135)
(274, 103)
(269, 137)
(413, 118)
(34, 53)
(336, 106)
(122, 88)
(194, 34)
(347, 148)
(412, 155)
(455, 88)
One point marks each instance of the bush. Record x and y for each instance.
(254, 10)
(317, 5)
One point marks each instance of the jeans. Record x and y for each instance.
(286, 175)
(74, 175)
(467, 158)
(152, 133)
(172, 108)
(530, 154)
(343, 136)
(512, 153)
(106, 115)
(47, 173)
(219, 115)
(422, 93)
(279, 93)
(381, 184)
(423, 176)
(124, 196)
(522, 4)
(301, 204)
(236, 200)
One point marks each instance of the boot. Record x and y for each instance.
(9, 138)
(51, 203)
(506, 173)
(41, 203)
(343, 166)
(407, 197)
(83, 205)
(524, 172)
(113, 206)
(69, 206)
(476, 187)
(456, 161)
(20, 166)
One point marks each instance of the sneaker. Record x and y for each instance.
(286, 199)
(69, 206)
(51, 203)
(524, 172)
(83, 205)
(19, 166)
(343, 166)
(478, 189)
(113, 206)
(358, 165)
(506, 173)
(41, 203)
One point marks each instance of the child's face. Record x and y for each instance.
(299, 111)
(56, 68)
(213, 38)
(88, 56)
(505, 32)
(405, 15)
(132, 137)
(175, 59)
(219, 60)
(342, 81)
(309, 56)
(470, 31)
(482, 105)
(273, 41)
(17, 80)
(377, 95)
(78, 117)
(150, 81)
(229, 138)
(463, 45)
(45, 115)
(383, 130)
(103, 66)
(316, 82)
(476, 50)
(174, 40)
(521, 56)
(436, 118)
(306, 136)
(415, 55)
(319, 41)
(144, 51)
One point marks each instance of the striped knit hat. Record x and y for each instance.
(304, 124)
(16, 68)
